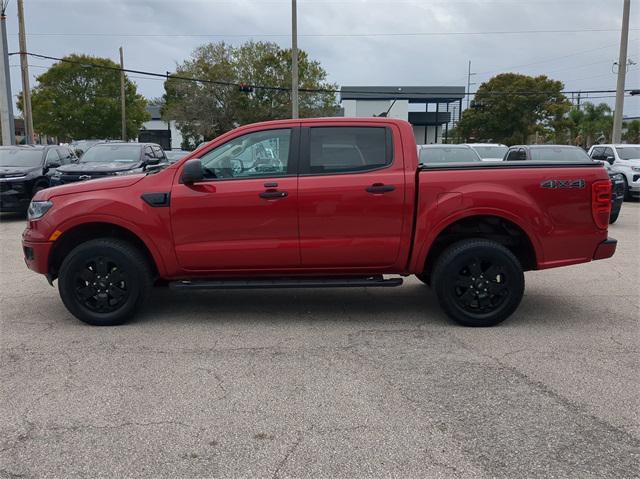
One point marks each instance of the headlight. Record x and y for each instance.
(635, 168)
(37, 209)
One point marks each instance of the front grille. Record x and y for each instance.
(73, 177)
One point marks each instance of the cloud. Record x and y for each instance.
(581, 60)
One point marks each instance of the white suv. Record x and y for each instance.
(623, 159)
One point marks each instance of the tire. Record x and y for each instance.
(614, 217)
(426, 279)
(627, 193)
(104, 281)
(478, 282)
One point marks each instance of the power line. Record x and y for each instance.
(316, 35)
(288, 89)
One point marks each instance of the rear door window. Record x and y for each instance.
(347, 149)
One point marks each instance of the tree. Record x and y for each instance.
(590, 124)
(76, 100)
(204, 110)
(632, 133)
(510, 107)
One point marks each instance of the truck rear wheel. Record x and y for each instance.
(478, 282)
(104, 281)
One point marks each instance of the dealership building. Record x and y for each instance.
(432, 110)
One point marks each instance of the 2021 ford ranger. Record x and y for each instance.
(330, 202)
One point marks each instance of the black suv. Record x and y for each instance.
(568, 154)
(109, 159)
(27, 169)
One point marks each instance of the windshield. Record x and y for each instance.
(491, 151)
(559, 154)
(20, 157)
(112, 153)
(447, 155)
(628, 152)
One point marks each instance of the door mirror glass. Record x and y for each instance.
(192, 172)
(610, 159)
(152, 161)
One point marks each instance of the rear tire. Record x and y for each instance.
(478, 282)
(627, 193)
(103, 282)
(614, 217)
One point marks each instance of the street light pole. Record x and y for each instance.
(24, 68)
(6, 99)
(469, 74)
(294, 59)
(122, 98)
(616, 135)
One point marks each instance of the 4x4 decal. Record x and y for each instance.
(554, 184)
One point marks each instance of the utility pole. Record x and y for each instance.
(469, 74)
(294, 59)
(122, 98)
(6, 99)
(616, 135)
(24, 68)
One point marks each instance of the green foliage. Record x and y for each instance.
(72, 101)
(206, 110)
(632, 134)
(589, 124)
(511, 107)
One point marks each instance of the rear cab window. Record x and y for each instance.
(334, 150)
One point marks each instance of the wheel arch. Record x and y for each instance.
(76, 234)
(491, 226)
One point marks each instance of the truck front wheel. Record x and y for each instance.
(103, 281)
(478, 282)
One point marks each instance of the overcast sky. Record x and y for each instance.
(358, 42)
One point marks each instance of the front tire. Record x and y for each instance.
(478, 282)
(103, 282)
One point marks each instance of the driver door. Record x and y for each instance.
(244, 215)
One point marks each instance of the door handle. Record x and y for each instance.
(270, 195)
(380, 188)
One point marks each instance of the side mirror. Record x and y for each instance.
(53, 164)
(151, 160)
(192, 172)
(610, 159)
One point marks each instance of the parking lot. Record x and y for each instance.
(326, 383)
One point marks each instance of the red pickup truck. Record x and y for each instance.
(333, 202)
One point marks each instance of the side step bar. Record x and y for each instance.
(266, 283)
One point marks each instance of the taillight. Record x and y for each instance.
(601, 203)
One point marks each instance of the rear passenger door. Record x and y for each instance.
(351, 197)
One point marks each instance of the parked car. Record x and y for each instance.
(624, 159)
(430, 154)
(175, 155)
(568, 154)
(80, 146)
(111, 159)
(266, 205)
(489, 151)
(25, 170)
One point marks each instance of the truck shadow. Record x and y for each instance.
(413, 302)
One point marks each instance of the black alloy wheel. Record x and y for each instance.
(104, 281)
(101, 285)
(478, 282)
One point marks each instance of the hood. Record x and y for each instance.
(17, 170)
(97, 167)
(107, 183)
(634, 162)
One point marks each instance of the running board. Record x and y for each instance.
(265, 283)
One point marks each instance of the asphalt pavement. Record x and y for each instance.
(325, 383)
